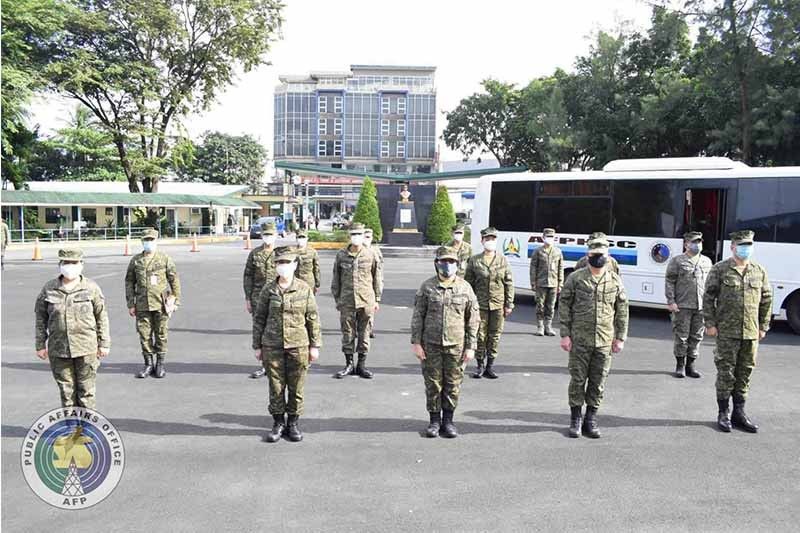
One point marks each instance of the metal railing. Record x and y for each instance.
(113, 233)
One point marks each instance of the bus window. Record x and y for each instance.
(574, 214)
(512, 205)
(644, 208)
(757, 207)
(787, 227)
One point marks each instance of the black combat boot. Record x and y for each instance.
(679, 367)
(160, 371)
(739, 418)
(433, 428)
(690, 371)
(489, 372)
(361, 368)
(278, 425)
(724, 417)
(148, 367)
(478, 371)
(258, 373)
(590, 428)
(576, 419)
(348, 369)
(448, 430)
(293, 432)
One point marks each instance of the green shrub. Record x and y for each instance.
(367, 211)
(336, 236)
(441, 219)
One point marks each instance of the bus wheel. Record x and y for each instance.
(793, 312)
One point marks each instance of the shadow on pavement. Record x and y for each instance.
(603, 420)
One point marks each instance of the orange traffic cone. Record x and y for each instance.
(127, 245)
(37, 253)
(247, 244)
(194, 244)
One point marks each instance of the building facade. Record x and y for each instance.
(373, 118)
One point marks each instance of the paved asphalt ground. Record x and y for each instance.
(196, 459)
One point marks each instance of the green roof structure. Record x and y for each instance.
(54, 198)
(307, 169)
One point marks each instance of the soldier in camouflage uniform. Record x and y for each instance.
(684, 284)
(547, 278)
(490, 276)
(584, 261)
(286, 339)
(463, 248)
(150, 280)
(307, 261)
(368, 234)
(594, 325)
(72, 330)
(444, 331)
(737, 306)
(5, 238)
(356, 287)
(258, 271)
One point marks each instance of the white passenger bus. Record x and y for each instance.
(645, 206)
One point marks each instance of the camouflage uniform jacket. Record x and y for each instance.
(258, 271)
(357, 279)
(445, 314)
(464, 253)
(593, 312)
(686, 279)
(612, 265)
(547, 268)
(284, 319)
(308, 266)
(492, 283)
(738, 305)
(148, 278)
(71, 324)
(6, 235)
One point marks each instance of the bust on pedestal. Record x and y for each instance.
(405, 232)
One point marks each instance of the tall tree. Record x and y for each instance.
(367, 209)
(441, 219)
(143, 65)
(227, 159)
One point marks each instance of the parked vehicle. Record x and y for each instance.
(255, 228)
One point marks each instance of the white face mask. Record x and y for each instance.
(269, 240)
(367, 241)
(286, 270)
(71, 271)
(149, 246)
(549, 240)
(302, 242)
(458, 237)
(490, 245)
(356, 240)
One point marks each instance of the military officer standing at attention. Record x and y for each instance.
(444, 330)
(490, 276)
(584, 261)
(594, 325)
(307, 261)
(547, 278)
(737, 305)
(286, 339)
(356, 289)
(153, 291)
(684, 284)
(368, 234)
(72, 330)
(463, 248)
(258, 271)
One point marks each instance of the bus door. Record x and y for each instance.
(704, 211)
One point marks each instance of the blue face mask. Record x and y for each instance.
(694, 247)
(149, 246)
(446, 269)
(744, 251)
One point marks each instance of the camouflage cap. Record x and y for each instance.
(596, 235)
(368, 231)
(446, 252)
(149, 234)
(70, 254)
(693, 236)
(285, 253)
(598, 245)
(548, 232)
(357, 228)
(268, 228)
(743, 237)
(301, 233)
(488, 232)
(459, 227)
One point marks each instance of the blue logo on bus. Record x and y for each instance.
(660, 252)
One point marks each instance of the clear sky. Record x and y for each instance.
(467, 40)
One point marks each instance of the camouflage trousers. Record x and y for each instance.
(687, 328)
(75, 377)
(545, 302)
(355, 324)
(489, 331)
(735, 360)
(152, 329)
(588, 370)
(443, 372)
(286, 375)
